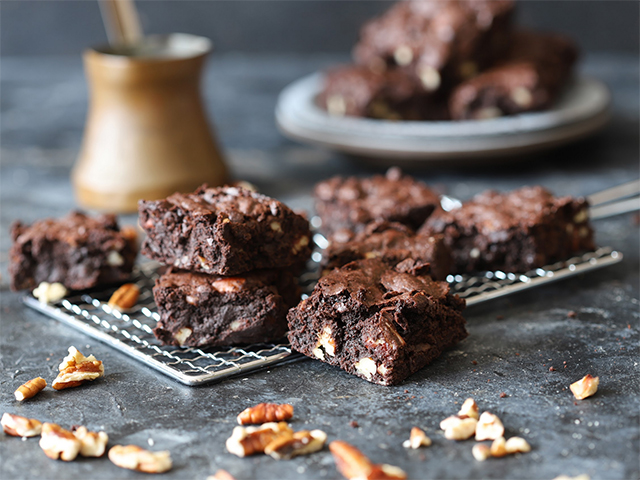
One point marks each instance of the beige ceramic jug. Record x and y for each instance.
(147, 134)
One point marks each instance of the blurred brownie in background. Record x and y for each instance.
(77, 251)
(513, 232)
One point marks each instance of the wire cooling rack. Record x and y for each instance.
(132, 332)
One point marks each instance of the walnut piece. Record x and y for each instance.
(469, 409)
(125, 297)
(499, 447)
(18, 426)
(300, 443)
(481, 452)
(585, 387)
(517, 445)
(93, 444)
(456, 428)
(50, 292)
(58, 443)
(221, 475)
(135, 458)
(76, 369)
(265, 412)
(245, 441)
(417, 439)
(353, 464)
(30, 389)
(489, 427)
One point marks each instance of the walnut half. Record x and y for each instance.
(76, 369)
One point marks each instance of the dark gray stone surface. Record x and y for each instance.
(514, 340)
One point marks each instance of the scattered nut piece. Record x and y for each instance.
(228, 284)
(76, 369)
(517, 445)
(481, 452)
(265, 412)
(585, 387)
(417, 439)
(125, 297)
(18, 426)
(469, 409)
(245, 441)
(221, 475)
(50, 292)
(353, 464)
(30, 388)
(584, 476)
(300, 443)
(498, 447)
(58, 443)
(93, 444)
(489, 427)
(139, 459)
(459, 428)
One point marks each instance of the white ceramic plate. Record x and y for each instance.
(582, 109)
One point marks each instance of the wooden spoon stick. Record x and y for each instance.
(121, 21)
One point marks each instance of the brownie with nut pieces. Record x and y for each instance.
(439, 41)
(513, 232)
(391, 242)
(224, 231)
(197, 309)
(78, 251)
(378, 322)
(530, 78)
(355, 90)
(352, 203)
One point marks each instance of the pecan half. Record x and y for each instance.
(135, 458)
(18, 426)
(125, 297)
(300, 443)
(58, 443)
(76, 369)
(30, 389)
(353, 464)
(265, 412)
(221, 475)
(585, 387)
(245, 441)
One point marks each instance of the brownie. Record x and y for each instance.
(439, 41)
(352, 203)
(355, 90)
(513, 232)
(379, 322)
(198, 309)
(393, 243)
(224, 231)
(77, 250)
(530, 78)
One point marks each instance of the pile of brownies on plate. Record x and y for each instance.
(380, 309)
(449, 60)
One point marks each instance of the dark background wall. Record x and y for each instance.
(66, 27)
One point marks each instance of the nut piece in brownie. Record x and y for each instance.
(515, 231)
(439, 41)
(351, 203)
(377, 322)
(224, 231)
(77, 251)
(355, 90)
(393, 243)
(197, 309)
(534, 73)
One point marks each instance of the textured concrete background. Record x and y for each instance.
(513, 341)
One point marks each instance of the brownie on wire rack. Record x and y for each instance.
(378, 322)
(78, 251)
(513, 232)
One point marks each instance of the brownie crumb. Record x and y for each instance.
(354, 424)
(572, 314)
(503, 395)
(551, 369)
(499, 317)
(474, 362)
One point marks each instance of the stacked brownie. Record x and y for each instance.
(234, 255)
(77, 251)
(448, 59)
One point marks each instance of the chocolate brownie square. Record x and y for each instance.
(531, 78)
(77, 250)
(224, 231)
(377, 322)
(439, 41)
(352, 203)
(355, 90)
(393, 243)
(515, 231)
(197, 309)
